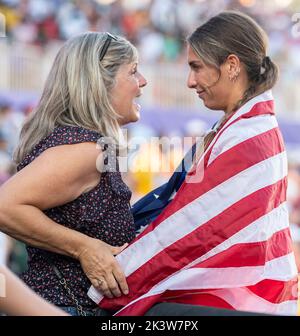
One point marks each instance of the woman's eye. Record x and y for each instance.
(197, 67)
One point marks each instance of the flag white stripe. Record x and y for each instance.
(282, 268)
(241, 131)
(245, 300)
(229, 277)
(265, 96)
(94, 295)
(260, 230)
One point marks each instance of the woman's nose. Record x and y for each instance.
(142, 80)
(191, 82)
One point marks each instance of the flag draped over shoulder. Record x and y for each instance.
(223, 241)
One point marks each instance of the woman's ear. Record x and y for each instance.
(233, 65)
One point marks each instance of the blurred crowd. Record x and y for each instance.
(158, 28)
(11, 251)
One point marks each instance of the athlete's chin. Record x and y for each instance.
(211, 105)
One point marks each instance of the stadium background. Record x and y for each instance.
(31, 32)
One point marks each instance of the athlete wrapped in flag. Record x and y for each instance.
(224, 239)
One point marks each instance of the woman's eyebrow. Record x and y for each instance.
(193, 63)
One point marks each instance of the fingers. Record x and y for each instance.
(113, 285)
(116, 279)
(103, 270)
(120, 278)
(109, 286)
(115, 250)
(103, 288)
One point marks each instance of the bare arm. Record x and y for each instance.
(18, 300)
(57, 177)
(6, 247)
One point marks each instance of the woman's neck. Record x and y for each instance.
(237, 93)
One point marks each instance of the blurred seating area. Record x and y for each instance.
(157, 27)
(35, 29)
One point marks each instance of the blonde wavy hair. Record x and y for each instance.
(77, 90)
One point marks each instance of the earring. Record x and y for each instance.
(233, 77)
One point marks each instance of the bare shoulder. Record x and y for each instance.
(57, 176)
(85, 156)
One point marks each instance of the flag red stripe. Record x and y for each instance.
(276, 291)
(252, 254)
(199, 297)
(261, 108)
(140, 307)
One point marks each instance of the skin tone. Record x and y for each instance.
(129, 84)
(19, 300)
(21, 212)
(214, 86)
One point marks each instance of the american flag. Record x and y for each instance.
(223, 241)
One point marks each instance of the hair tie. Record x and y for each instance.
(265, 62)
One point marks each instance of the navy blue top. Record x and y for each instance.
(102, 213)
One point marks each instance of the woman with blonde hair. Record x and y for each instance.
(72, 213)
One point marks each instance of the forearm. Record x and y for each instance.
(6, 245)
(32, 226)
(19, 300)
